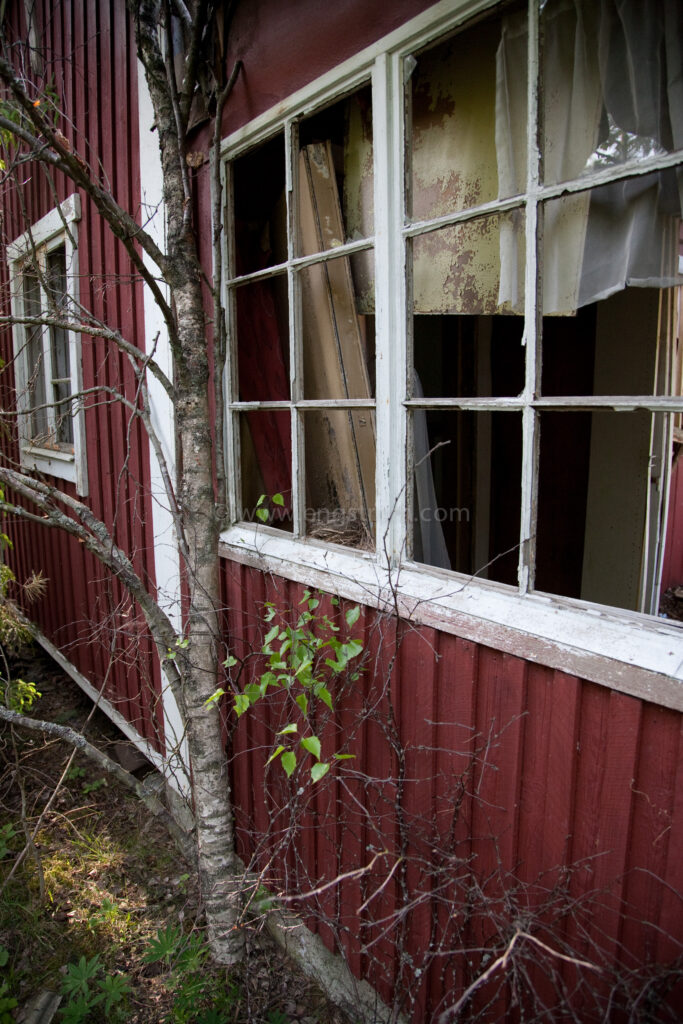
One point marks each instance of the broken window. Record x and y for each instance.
(532, 196)
(303, 300)
(546, 472)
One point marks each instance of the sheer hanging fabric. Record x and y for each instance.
(612, 91)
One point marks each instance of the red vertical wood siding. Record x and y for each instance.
(89, 48)
(572, 797)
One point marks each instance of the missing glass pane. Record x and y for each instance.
(260, 207)
(603, 479)
(338, 343)
(340, 476)
(266, 465)
(468, 356)
(263, 340)
(467, 478)
(336, 144)
(457, 153)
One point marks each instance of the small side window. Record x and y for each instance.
(43, 269)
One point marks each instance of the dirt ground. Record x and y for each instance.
(104, 879)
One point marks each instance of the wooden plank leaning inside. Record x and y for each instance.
(340, 444)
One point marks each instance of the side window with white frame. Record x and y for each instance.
(459, 261)
(44, 280)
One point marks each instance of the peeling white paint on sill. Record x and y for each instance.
(635, 654)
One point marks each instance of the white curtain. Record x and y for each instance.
(612, 90)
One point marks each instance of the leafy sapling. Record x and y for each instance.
(304, 659)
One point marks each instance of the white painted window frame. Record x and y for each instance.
(634, 653)
(57, 228)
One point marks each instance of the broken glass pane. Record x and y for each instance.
(467, 480)
(266, 467)
(340, 476)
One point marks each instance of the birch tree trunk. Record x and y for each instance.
(197, 498)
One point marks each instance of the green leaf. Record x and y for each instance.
(325, 696)
(262, 514)
(312, 745)
(215, 696)
(253, 692)
(277, 499)
(343, 757)
(302, 701)
(230, 661)
(319, 770)
(276, 753)
(352, 616)
(270, 635)
(292, 727)
(304, 667)
(164, 945)
(260, 501)
(242, 703)
(353, 649)
(288, 760)
(313, 604)
(267, 679)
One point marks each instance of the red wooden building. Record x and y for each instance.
(453, 294)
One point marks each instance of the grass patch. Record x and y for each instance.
(104, 911)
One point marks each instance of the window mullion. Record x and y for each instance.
(391, 307)
(532, 317)
(295, 329)
(231, 427)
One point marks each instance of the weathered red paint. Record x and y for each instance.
(284, 44)
(97, 81)
(574, 788)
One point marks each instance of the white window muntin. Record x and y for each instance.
(56, 229)
(659, 648)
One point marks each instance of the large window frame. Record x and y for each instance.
(63, 453)
(633, 652)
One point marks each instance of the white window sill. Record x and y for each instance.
(636, 654)
(50, 461)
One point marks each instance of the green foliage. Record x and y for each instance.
(7, 833)
(7, 1002)
(92, 787)
(90, 994)
(305, 659)
(20, 696)
(262, 512)
(198, 996)
(108, 914)
(164, 946)
(277, 1017)
(48, 102)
